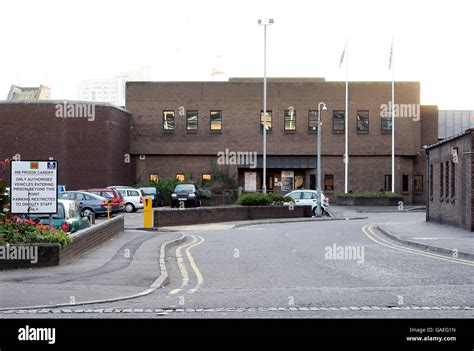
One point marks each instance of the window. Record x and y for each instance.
(338, 123)
(269, 121)
(216, 121)
(296, 195)
(405, 183)
(180, 177)
(431, 182)
(191, 121)
(441, 180)
(168, 121)
(387, 183)
(329, 182)
(133, 193)
(307, 196)
(453, 180)
(313, 121)
(418, 184)
(446, 179)
(290, 120)
(206, 179)
(362, 122)
(153, 178)
(386, 122)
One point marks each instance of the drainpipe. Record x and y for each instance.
(427, 183)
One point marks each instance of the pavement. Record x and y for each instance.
(434, 237)
(310, 269)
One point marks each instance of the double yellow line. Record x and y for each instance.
(368, 230)
(197, 240)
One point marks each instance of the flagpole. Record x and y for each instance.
(393, 118)
(346, 151)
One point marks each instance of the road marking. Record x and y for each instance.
(374, 237)
(199, 277)
(182, 267)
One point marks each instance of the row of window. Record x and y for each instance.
(447, 181)
(328, 183)
(417, 183)
(205, 178)
(289, 116)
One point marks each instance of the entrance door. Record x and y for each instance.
(312, 181)
(270, 183)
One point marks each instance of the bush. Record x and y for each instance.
(17, 231)
(254, 199)
(166, 187)
(259, 199)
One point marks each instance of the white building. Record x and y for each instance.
(110, 90)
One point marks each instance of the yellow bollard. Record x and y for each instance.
(148, 213)
(108, 208)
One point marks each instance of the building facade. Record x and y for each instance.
(184, 129)
(17, 93)
(450, 181)
(111, 90)
(90, 142)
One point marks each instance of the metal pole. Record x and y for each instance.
(264, 181)
(318, 193)
(346, 152)
(393, 120)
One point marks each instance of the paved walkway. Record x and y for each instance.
(433, 237)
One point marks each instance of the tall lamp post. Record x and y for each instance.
(322, 106)
(260, 22)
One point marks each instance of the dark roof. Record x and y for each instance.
(446, 140)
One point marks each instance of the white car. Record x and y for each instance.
(132, 199)
(309, 198)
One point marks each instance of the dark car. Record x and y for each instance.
(90, 203)
(153, 192)
(188, 194)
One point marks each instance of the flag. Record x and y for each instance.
(34, 165)
(391, 57)
(343, 55)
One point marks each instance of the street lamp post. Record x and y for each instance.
(318, 194)
(264, 181)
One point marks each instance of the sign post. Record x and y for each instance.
(34, 188)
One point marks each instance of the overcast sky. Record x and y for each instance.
(60, 43)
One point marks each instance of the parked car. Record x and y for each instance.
(158, 198)
(68, 218)
(190, 194)
(132, 198)
(61, 188)
(7, 191)
(309, 197)
(110, 194)
(90, 203)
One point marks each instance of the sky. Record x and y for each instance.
(60, 43)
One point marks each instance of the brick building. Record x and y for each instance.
(88, 140)
(180, 128)
(450, 180)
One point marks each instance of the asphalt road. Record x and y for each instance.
(333, 269)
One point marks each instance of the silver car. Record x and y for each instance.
(309, 198)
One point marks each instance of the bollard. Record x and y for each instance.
(92, 218)
(148, 212)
